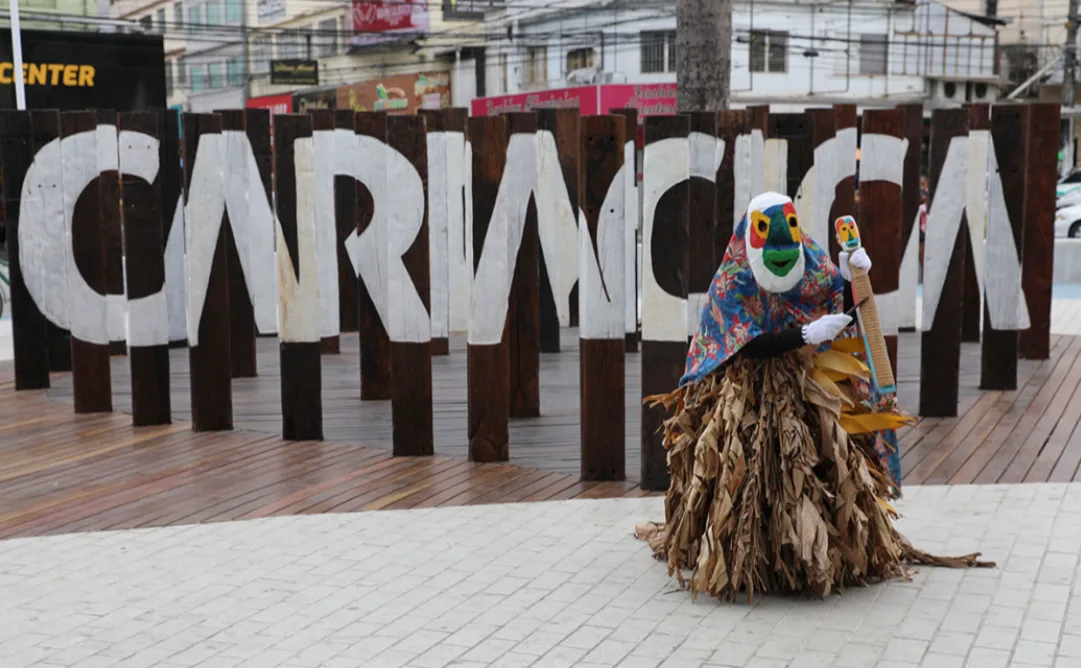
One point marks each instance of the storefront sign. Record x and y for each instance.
(381, 16)
(294, 72)
(277, 104)
(316, 99)
(648, 99)
(403, 93)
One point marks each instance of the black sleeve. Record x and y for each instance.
(774, 344)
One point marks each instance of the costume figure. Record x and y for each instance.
(776, 486)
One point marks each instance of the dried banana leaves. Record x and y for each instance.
(775, 485)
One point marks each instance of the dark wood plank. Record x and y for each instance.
(910, 207)
(523, 314)
(1039, 251)
(979, 119)
(844, 202)
(345, 218)
(109, 194)
(563, 125)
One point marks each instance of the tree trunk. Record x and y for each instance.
(703, 54)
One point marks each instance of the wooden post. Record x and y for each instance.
(665, 228)
(91, 378)
(242, 332)
(326, 235)
(1039, 252)
(630, 213)
(523, 312)
(209, 348)
(459, 203)
(44, 129)
(881, 176)
(298, 279)
(601, 265)
(979, 139)
(439, 212)
(488, 358)
(733, 176)
(824, 186)
(558, 226)
(796, 130)
(171, 188)
(109, 193)
(844, 203)
(410, 332)
(702, 214)
(910, 223)
(257, 125)
(29, 326)
(1005, 245)
(940, 342)
(375, 382)
(144, 250)
(345, 220)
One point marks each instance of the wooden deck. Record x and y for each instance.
(62, 472)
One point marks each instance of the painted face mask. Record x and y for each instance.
(774, 242)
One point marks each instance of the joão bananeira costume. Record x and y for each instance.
(779, 445)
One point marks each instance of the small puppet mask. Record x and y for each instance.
(774, 242)
(848, 235)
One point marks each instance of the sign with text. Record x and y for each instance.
(383, 16)
(648, 99)
(277, 104)
(294, 72)
(401, 94)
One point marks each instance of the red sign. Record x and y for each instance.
(277, 104)
(648, 99)
(380, 16)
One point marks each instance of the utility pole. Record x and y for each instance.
(17, 56)
(704, 54)
(1069, 68)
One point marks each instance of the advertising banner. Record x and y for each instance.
(294, 72)
(648, 99)
(382, 16)
(401, 94)
(277, 104)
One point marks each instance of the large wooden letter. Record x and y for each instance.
(1039, 251)
(409, 322)
(940, 343)
(208, 286)
(29, 326)
(241, 311)
(374, 343)
(141, 155)
(665, 227)
(299, 324)
(1005, 238)
(881, 175)
(88, 269)
(601, 264)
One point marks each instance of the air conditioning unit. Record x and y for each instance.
(979, 91)
(949, 91)
(589, 75)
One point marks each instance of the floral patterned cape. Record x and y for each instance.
(739, 310)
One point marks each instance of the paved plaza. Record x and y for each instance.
(543, 584)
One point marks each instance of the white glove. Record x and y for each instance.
(825, 328)
(859, 260)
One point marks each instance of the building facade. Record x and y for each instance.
(169, 19)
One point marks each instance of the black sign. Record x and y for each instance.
(71, 70)
(295, 72)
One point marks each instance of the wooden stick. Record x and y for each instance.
(630, 211)
(410, 348)
(910, 224)
(844, 203)
(326, 228)
(601, 262)
(109, 194)
(298, 279)
(91, 377)
(439, 212)
(29, 326)
(171, 186)
(144, 250)
(241, 311)
(558, 273)
(702, 214)
(209, 357)
(979, 137)
(345, 219)
(375, 381)
(523, 314)
(257, 124)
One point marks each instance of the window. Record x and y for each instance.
(873, 54)
(161, 20)
(213, 13)
(289, 45)
(147, 23)
(198, 78)
(168, 78)
(579, 59)
(503, 69)
(658, 51)
(234, 12)
(216, 79)
(234, 72)
(181, 72)
(195, 20)
(178, 14)
(327, 39)
(769, 51)
(261, 53)
(537, 65)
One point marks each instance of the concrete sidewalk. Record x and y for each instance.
(546, 585)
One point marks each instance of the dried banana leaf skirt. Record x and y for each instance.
(769, 492)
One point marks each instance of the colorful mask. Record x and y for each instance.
(774, 242)
(848, 235)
